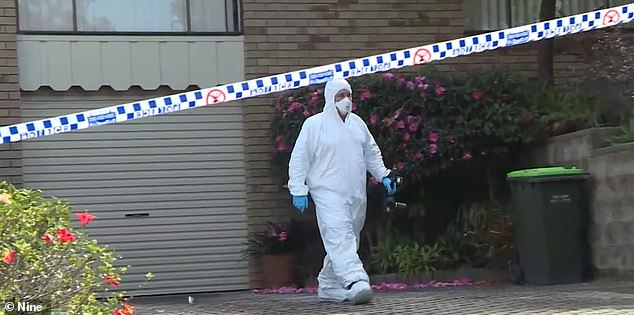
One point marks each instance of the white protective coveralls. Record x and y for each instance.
(330, 160)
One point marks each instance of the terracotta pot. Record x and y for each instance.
(279, 270)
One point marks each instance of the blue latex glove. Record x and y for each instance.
(390, 186)
(300, 202)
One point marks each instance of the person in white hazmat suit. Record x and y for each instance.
(330, 160)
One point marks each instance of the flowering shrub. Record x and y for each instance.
(424, 125)
(45, 262)
(275, 240)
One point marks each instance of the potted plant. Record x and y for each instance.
(276, 250)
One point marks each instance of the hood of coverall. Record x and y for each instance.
(332, 87)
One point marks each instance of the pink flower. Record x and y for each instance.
(410, 85)
(418, 156)
(306, 114)
(401, 80)
(467, 157)
(294, 106)
(400, 125)
(85, 218)
(373, 119)
(47, 238)
(282, 236)
(440, 90)
(451, 139)
(432, 148)
(366, 95)
(413, 127)
(406, 136)
(400, 165)
(354, 107)
(476, 95)
(315, 97)
(281, 144)
(388, 76)
(433, 136)
(419, 79)
(425, 86)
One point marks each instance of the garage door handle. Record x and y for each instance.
(136, 215)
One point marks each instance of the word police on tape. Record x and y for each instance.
(383, 62)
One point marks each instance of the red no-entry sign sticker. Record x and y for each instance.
(422, 55)
(216, 96)
(611, 17)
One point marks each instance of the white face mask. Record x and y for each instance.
(344, 105)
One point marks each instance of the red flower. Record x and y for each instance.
(111, 281)
(85, 218)
(476, 95)
(64, 236)
(47, 238)
(9, 257)
(406, 136)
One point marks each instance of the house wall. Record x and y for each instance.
(287, 35)
(10, 154)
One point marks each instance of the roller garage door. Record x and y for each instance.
(168, 191)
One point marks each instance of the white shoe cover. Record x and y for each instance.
(332, 294)
(360, 293)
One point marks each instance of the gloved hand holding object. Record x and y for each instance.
(390, 185)
(300, 202)
(331, 158)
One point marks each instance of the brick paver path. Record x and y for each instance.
(605, 298)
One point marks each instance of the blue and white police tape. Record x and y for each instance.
(378, 63)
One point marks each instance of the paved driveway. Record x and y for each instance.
(605, 297)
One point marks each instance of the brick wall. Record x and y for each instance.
(10, 154)
(287, 35)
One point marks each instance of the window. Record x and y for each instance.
(491, 15)
(128, 16)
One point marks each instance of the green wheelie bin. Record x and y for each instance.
(548, 206)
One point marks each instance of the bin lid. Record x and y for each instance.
(545, 171)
